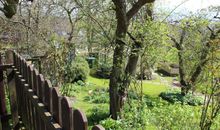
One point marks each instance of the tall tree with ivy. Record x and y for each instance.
(120, 75)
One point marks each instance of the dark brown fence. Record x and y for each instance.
(39, 104)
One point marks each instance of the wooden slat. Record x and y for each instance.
(79, 120)
(35, 81)
(98, 127)
(55, 105)
(41, 83)
(47, 94)
(65, 114)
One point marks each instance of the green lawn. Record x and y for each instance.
(153, 89)
(150, 89)
(98, 82)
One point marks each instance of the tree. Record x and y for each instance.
(211, 84)
(119, 79)
(10, 7)
(194, 38)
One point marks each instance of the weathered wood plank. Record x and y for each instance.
(65, 114)
(98, 127)
(79, 120)
(41, 83)
(47, 94)
(55, 105)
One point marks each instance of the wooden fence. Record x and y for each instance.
(39, 104)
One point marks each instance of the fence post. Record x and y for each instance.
(65, 114)
(12, 88)
(79, 120)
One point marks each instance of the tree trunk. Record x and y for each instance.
(118, 80)
(117, 73)
(203, 60)
(179, 47)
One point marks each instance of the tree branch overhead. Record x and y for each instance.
(136, 7)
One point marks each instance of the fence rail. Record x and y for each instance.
(39, 104)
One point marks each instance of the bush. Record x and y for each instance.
(110, 124)
(98, 96)
(78, 70)
(98, 113)
(137, 115)
(103, 71)
(70, 89)
(177, 97)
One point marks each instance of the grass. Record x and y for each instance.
(94, 83)
(153, 89)
(98, 82)
(149, 89)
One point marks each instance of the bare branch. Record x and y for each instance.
(173, 39)
(1, 9)
(210, 29)
(136, 7)
(129, 34)
(216, 16)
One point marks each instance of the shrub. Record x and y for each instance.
(103, 71)
(110, 124)
(177, 97)
(98, 96)
(78, 70)
(70, 89)
(98, 113)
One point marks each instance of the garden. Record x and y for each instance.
(127, 64)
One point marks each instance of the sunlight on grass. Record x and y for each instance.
(98, 82)
(150, 89)
(154, 89)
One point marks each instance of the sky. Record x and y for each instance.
(187, 6)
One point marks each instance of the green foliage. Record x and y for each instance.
(70, 89)
(98, 96)
(110, 124)
(176, 117)
(103, 70)
(78, 70)
(97, 114)
(137, 115)
(177, 97)
(153, 36)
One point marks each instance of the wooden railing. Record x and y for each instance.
(39, 104)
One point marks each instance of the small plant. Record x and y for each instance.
(70, 89)
(110, 124)
(103, 71)
(77, 71)
(97, 114)
(98, 96)
(177, 97)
